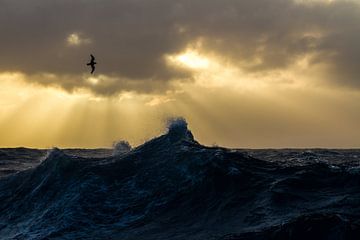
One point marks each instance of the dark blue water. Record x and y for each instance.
(174, 188)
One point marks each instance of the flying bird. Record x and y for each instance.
(92, 63)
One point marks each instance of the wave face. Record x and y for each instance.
(174, 188)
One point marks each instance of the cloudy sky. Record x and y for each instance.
(244, 73)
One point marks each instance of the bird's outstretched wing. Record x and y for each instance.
(92, 58)
(92, 69)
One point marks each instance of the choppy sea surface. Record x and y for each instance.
(172, 187)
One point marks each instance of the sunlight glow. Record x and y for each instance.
(190, 59)
(33, 115)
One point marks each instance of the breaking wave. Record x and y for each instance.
(172, 187)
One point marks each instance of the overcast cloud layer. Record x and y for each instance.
(131, 38)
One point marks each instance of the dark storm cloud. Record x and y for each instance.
(131, 37)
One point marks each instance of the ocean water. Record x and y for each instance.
(172, 187)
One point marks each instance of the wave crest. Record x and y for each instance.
(173, 187)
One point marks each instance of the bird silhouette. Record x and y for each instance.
(92, 63)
